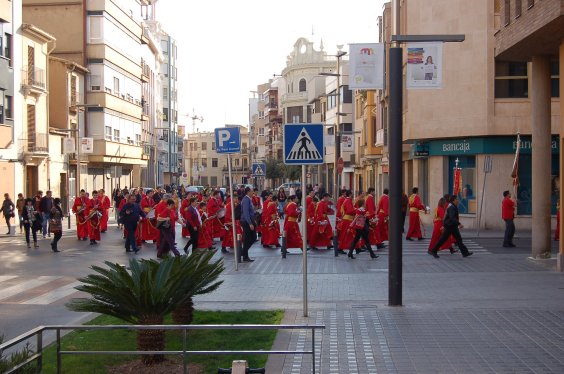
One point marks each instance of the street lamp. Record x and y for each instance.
(336, 175)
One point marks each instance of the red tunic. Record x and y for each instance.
(322, 232)
(437, 226)
(149, 231)
(205, 239)
(383, 214)
(415, 206)
(184, 214)
(93, 219)
(310, 210)
(293, 235)
(346, 233)
(228, 237)
(81, 224)
(104, 203)
(373, 234)
(215, 222)
(507, 208)
(271, 227)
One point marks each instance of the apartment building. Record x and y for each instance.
(266, 125)
(106, 37)
(206, 167)
(11, 165)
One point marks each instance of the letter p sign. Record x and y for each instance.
(228, 140)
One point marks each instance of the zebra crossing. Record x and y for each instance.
(418, 247)
(40, 290)
(19, 239)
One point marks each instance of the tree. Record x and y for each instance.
(147, 292)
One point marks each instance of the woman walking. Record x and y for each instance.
(281, 201)
(360, 224)
(32, 221)
(438, 227)
(56, 223)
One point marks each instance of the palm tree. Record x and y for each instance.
(202, 274)
(145, 294)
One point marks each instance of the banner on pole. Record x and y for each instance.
(69, 145)
(87, 145)
(347, 143)
(366, 66)
(424, 65)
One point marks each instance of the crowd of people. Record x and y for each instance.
(206, 219)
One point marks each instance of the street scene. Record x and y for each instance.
(379, 181)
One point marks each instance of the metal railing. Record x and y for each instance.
(184, 353)
(34, 77)
(36, 143)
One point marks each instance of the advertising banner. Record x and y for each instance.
(424, 65)
(366, 66)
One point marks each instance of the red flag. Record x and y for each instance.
(515, 170)
(457, 181)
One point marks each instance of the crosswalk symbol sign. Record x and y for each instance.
(303, 143)
(259, 169)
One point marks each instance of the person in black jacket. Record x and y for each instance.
(130, 215)
(451, 225)
(32, 221)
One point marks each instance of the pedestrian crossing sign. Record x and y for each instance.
(303, 143)
(259, 169)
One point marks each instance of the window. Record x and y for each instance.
(204, 146)
(507, 14)
(213, 181)
(165, 114)
(346, 95)
(2, 116)
(555, 78)
(302, 85)
(116, 86)
(8, 107)
(164, 46)
(8, 48)
(165, 93)
(204, 162)
(511, 80)
(213, 146)
(138, 139)
(116, 135)
(95, 29)
(518, 7)
(236, 162)
(73, 90)
(261, 131)
(214, 162)
(467, 193)
(347, 127)
(108, 133)
(129, 140)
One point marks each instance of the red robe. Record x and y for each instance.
(216, 224)
(293, 235)
(415, 206)
(263, 217)
(271, 228)
(346, 233)
(93, 219)
(322, 232)
(339, 213)
(310, 210)
(104, 203)
(256, 204)
(373, 233)
(383, 215)
(149, 230)
(228, 237)
(205, 239)
(437, 226)
(81, 223)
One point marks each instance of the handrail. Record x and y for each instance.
(38, 333)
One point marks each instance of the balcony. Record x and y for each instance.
(294, 97)
(33, 81)
(35, 147)
(113, 152)
(243, 169)
(145, 71)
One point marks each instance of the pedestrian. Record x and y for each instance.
(117, 197)
(508, 214)
(104, 203)
(291, 227)
(415, 205)
(93, 214)
(166, 221)
(56, 224)
(130, 215)
(32, 221)
(228, 238)
(248, 223)
(346, 232)
(282, 201)
(323, 232)
(8, 211)
(440, 212)
(377, 217)
(79, 209)
(361, 226)
(193, 223)
(20, 203)
(271, 224)
(45, 206)
(452, 226)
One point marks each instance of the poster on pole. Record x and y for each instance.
(347, 143)
(366, 66)
(87, 145)
(69, 145)
(424, 65)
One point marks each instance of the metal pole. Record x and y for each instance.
(481, 205)
(78, 145)
(395, 151)
(337, 132)
(304, 230)
(235, 249)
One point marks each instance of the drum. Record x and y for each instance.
(221, 213)
(151, 214)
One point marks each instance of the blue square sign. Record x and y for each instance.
(259, 169)
(303, 143)
(228, 140)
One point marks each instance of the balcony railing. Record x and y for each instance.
(237, 168)
(33, 77)
(36, 143)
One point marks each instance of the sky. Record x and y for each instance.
(226, 48)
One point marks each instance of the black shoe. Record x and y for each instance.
(433, 253)
(313, 248)
(186, 250)
(340, 251)
(330, 247)
(359, 251)
(128, 250)
(136, 250)
(266, 246)
(224, 250)
(420, 238)
(374, 256)
(248, 259)
(93, 242)
(467, 254)
(409, 239)
(453, 251)
(350, 255)
(278, 246)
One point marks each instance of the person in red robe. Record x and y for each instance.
(213, 209)
(265, 203)
(415, 205)
(311, 203)
(255, 200)
(323, 231)
(346, 233)
(93, 214)
(105, 204)
(271, 228)
(166, 242)
(438, 227)
(184, 206)
(79, 209)
(373, 232)
(228, 237)
(205, 239)
(292, 214)
(383, 214)
(338, 212)
(149, 231)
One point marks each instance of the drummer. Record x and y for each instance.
(216, 212)
(149, 231)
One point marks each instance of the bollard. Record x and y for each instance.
(335, 243)
(238, 247)
(239, 367)
(284, 249)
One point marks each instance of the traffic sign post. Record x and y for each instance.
(228, 140)
(259, 169)
(303, 145)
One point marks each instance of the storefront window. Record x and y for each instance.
(467, 193)
(524, 191)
